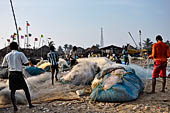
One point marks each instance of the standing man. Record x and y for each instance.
(160, 53)
(125, 55)
(73, 54)
(53, 59)
(14, 61)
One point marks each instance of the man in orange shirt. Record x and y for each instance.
(160, 53)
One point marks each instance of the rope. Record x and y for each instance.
(99, 87)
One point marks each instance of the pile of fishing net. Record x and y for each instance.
(85, 71)
(116, 84)
(63, 65)
(45, 65)
(81, 74)
(4, 73)
(102, 62)
(33, 71)
(34, 84)
(40, 89)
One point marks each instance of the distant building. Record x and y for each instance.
(80, 51)
(111, 49)
(42, 52)
(3, 52)
(92, 50)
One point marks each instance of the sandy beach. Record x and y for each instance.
(63, 99)
(69, 102)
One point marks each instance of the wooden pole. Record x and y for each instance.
(15, 21)
(140, 33)
(34, 44)
(133, 39)
(24, 41)
(27, 33)
(41, 48)
(40, 42)
(140, 39)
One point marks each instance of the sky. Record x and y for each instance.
(79, 22)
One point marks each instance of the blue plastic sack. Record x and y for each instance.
(34, 70)
(129, 89)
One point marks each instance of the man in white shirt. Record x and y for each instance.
(14, 61)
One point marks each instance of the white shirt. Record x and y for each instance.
(73, 54)
(14, 60)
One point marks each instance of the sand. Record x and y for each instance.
(71, 103)
(68, 102)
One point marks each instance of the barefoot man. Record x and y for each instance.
(160, 53)
(53, 58)
(14, 61)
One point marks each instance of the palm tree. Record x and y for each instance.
(148, 44)
(51, 43)
(65, 47)
(168, 43)
(70, 47)
(60, 50)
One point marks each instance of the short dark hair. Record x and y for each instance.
(13, 46)
(52, 48)
(159, 37)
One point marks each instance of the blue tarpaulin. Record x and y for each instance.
(127, 90)
(34, 70)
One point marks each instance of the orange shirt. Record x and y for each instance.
(160, 51)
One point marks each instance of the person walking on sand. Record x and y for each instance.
(125, 55)
(73, 54)
(160, 53)
(14, 61)
(53, 59)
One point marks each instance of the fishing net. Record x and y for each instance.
(102, 62)
(116, 84)
(4, 73)
(82, 73)
(41, 90)
(34, 70)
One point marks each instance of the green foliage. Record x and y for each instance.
(148, 45)
(168, 43)
(51, 43)
(60, 49)
(65, 46)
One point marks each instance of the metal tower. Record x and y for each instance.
(101, 41)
